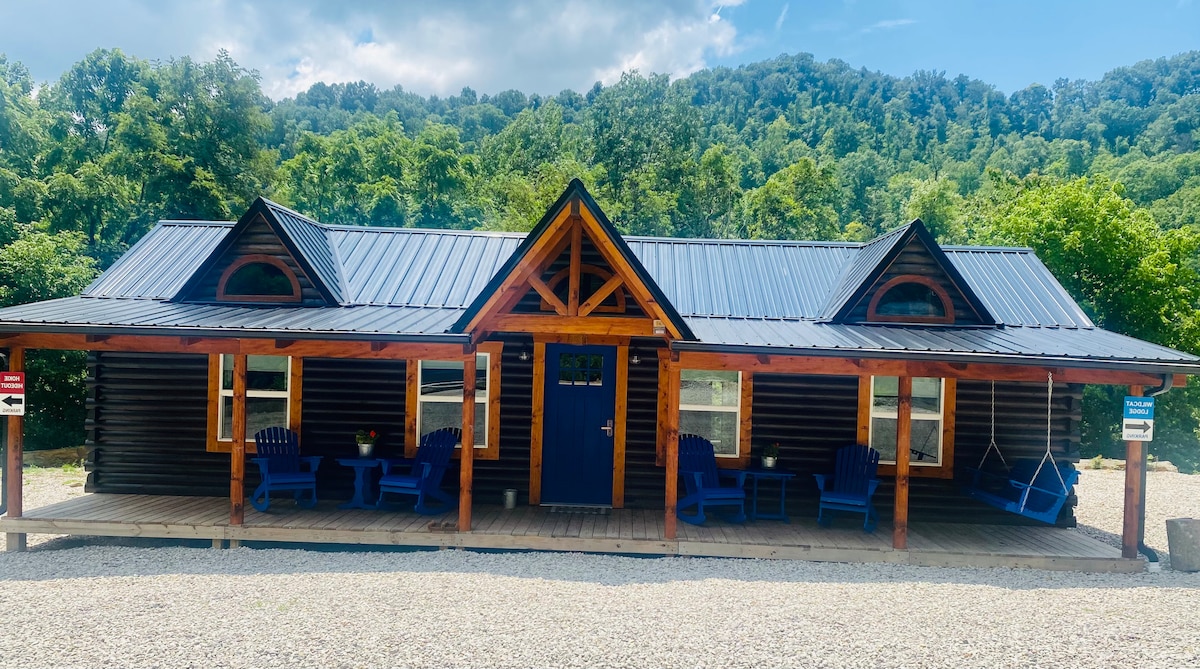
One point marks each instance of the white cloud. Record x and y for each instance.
(538, 46)
(782, 16)
(888, 25)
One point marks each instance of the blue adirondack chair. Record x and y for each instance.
(282, 468)
(424, 473)
(852, 486)
(702, 481)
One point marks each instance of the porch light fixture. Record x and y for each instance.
(659, 327)
(635, 359)
(523, 356)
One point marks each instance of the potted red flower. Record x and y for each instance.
(366, 442)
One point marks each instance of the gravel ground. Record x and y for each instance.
(113, 606)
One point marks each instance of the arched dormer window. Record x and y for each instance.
(911, 299)
(258, 278)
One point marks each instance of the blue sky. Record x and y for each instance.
(545, 46)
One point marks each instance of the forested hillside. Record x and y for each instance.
(1102, 177)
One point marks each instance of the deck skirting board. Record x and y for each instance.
(624, 531)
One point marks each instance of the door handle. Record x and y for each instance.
(607, 428)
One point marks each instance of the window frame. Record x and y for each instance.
(258, 259)
(735, 409)
(490, 450)
(944, 469)
(669, 373)
(216, 393)
(874, 316)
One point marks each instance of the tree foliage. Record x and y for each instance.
(1101, 177)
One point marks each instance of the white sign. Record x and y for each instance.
(1137, 421)
(12, 393)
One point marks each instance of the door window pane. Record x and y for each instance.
(580, 369)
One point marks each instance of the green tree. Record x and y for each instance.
(937, 203)
(798, 202)
(1128, 274)
(39, 266)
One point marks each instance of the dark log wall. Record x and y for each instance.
(341, 397)
(813, 415)
(258, 238)
(645, 483)
(148, 420)
(915, 259)
(516, 409)
(147, 425)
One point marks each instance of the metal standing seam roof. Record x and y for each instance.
(314, 247)
(859, 268)
(733, 294)
(158, 265)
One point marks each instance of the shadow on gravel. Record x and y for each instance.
(116, 557)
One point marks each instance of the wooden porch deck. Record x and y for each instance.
(629, 531)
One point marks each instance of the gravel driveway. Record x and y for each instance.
(111, 606)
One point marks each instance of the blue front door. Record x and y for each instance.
(577, 436)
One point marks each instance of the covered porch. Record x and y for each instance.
(624, 531)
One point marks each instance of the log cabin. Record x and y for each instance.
(572, 358)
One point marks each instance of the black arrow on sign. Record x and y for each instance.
(1140, 427)
(13, 400)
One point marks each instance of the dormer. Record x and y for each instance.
(272, 256)
(904, 277)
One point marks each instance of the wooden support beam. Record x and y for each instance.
(672, 454)
(601, 294)
(16, 454)
(575, 270)
(619, 413)
(537, 423)
(1135, 461)
(237, 457)
(903, 443)
(547, 294)
(300, 348)
(466, 461)
(538, 323)
(850, 366)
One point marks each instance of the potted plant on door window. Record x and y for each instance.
(770, 455)
(366, 442)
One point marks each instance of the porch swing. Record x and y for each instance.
(1028, 487)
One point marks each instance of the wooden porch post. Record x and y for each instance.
(237, 457)
(671, 423)
(466, 462)
(16, 455)
(1135, 461)
(903, 443)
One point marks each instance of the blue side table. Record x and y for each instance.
(362, 482)
(777, 474)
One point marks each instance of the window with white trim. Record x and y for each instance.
(928, 410)
(710, 406)
(268, 394)
(440, 396)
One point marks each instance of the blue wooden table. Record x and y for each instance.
(362, 482)
(776, 474)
